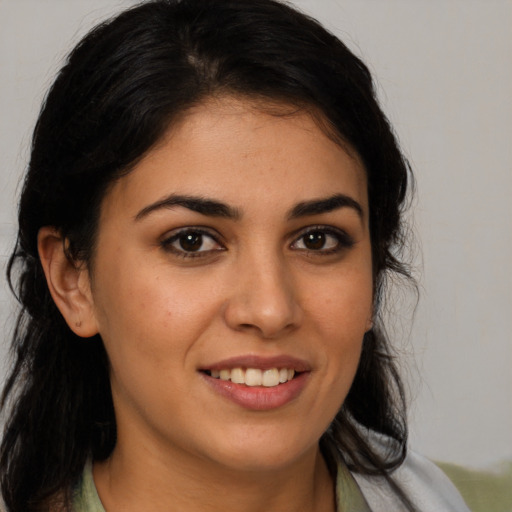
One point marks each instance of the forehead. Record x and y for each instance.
(244, 153)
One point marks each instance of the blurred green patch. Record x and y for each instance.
(483, 491)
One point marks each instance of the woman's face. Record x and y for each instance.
(232, 286)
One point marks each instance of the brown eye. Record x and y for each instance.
(323, 240)
(191, 242)
(314, 241)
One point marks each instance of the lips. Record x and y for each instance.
(258, 383)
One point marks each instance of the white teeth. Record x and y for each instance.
(270, 378)
(255, 377)
(238, 376)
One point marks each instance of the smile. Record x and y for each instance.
(256, 382)
(254, 376)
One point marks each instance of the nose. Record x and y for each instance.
(264, 300)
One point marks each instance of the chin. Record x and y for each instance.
(265, 453)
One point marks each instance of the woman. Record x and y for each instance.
(212, 206)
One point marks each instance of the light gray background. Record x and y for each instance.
(444, 73)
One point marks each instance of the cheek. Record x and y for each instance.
(152, 312)
(344, 307)
(341, 313)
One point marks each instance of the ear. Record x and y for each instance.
(68, 282)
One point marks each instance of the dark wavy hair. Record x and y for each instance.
(120, 89)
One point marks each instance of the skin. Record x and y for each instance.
(254, 288)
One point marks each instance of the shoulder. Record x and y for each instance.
(85, 495)
(423, 482)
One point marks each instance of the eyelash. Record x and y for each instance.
(342, 241)
(167, 243)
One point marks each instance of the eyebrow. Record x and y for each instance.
(201, 205)
(213, 208)
(319, 206)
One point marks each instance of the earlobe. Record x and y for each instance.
(68, 282)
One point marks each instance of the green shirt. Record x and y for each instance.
(348, 496)
(428, 488)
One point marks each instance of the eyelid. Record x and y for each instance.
(172, 236)
(345, 241)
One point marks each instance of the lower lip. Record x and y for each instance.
(259, 398)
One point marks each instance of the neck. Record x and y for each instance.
(131, 480)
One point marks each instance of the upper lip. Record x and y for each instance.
(261, 362)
